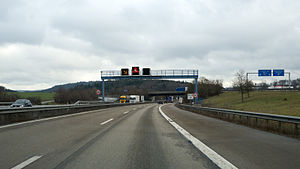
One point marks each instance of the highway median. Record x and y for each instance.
(9, 116)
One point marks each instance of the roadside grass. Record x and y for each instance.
(45, 96)
(275, 102)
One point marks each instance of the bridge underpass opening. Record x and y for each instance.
(166, 94)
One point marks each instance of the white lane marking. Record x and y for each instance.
(211, 154)
(49, 118)
(107, 121)
(126, 112)
(27, 162)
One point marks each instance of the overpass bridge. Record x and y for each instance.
(151, 74)
(166, 93)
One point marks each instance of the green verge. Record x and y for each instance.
(45, 96)
(275, 102)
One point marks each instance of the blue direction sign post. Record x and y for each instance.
(278, 72)
(266, 72)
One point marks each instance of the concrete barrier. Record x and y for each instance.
(20, 115)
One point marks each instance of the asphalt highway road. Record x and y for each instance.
(243, 146)
(137, 136)
(120, 137)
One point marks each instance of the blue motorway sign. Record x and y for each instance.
(278, 72)
(180, 89)
(266, 72)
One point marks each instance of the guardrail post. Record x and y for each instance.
(256, 119)
(279, 125)
(296, 129)
(247, 120)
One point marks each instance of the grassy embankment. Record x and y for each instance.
(45, 96)
(275, 102)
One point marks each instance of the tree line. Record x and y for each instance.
(206, 88)
(11, 97)
(69, 96)
(5, 97)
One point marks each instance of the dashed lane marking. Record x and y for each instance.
(107, 121)
(27, 162)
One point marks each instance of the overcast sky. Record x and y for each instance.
(46, 42)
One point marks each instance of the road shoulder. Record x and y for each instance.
(243, 146)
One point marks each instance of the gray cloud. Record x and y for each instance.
(46, 42)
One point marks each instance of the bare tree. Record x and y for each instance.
(249, 87)
(240, 82)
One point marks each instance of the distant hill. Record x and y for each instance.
(8, 90)
(3, 89)
(117, 87)
(89, 84)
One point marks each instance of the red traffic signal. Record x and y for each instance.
(135, 71)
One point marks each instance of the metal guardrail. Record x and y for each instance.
(287, 125)
(5, 103)
(266, 116)
(60, 107)
(25, 114)
(45, 107)
(48, 101)
(88, 102)
(33, 108)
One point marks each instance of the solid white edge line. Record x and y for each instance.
(211, 154)
(27, 162)
(126, 112)
(107, 121)
(49, 118)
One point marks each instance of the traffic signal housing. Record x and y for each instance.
(135, 71)
(146, 71)
(124, 72)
